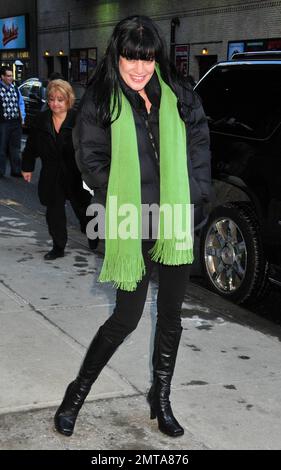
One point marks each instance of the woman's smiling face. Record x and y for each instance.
(136, 73)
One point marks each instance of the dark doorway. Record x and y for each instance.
(205, 62)
(50, 65)
(64, 66)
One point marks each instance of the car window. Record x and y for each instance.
(25, 89)
(43, 92)
(35, 90)
(242, 100)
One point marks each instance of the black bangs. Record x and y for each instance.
(134, 38)
(139, 44)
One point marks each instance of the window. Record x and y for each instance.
(25, 89)
(83, 64)
(36, 89)
(243, 100)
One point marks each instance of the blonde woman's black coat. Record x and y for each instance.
(58, 160)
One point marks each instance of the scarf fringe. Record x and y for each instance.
(165, 252)
(123, 270)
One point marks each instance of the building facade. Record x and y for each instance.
(75, 32)
(70, 36)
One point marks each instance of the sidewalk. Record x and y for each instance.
(226, 389)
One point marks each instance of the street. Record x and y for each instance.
(226, 389)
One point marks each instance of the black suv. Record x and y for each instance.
(241, 244)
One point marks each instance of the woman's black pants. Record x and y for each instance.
(130, 305)
(56, 218)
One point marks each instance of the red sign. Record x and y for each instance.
(181, 58)
(9, 34)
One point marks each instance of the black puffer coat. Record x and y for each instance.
(58, 159)
(92, 145)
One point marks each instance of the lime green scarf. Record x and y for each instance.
(123, 262)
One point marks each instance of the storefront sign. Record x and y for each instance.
(253, 45)
(274, 44)
(13, 33)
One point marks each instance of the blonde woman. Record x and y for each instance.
(51, 140)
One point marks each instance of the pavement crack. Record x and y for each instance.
(13, 295)
(21, 300)
(54, 325)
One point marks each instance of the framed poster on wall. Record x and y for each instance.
(234, 48)
(182, 58)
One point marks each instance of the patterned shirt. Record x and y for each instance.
(9, 99)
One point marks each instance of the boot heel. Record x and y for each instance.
(98, 354)
(67, 413)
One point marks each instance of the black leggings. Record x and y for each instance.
(129, 305)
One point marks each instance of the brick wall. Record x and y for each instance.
(203, 23)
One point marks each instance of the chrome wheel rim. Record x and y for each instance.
(225, 255)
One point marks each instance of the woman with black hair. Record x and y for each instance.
(141, 138)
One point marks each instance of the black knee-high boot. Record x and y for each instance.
(100, 351)
(164, 358)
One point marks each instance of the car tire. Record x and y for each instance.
(232, 256)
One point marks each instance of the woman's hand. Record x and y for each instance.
(27, 175)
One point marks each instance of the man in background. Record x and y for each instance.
(12, 115)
